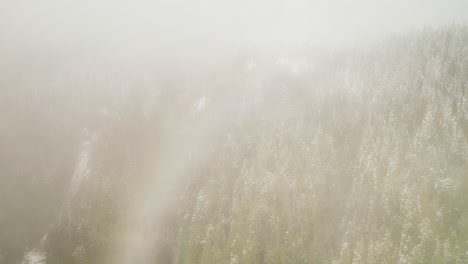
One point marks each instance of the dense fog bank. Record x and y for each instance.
(311, 156)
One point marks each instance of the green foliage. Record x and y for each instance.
(370, 168)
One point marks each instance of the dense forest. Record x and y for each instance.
(349, 156)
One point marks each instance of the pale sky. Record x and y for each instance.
(168, 26)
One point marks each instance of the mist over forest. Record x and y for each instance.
(222, 132)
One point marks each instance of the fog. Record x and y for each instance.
(233, 131)
(178, 28)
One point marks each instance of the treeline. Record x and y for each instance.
(368, 166)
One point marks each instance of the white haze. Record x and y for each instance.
(74, 36)
(181, 28)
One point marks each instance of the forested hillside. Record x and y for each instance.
(356, 156)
